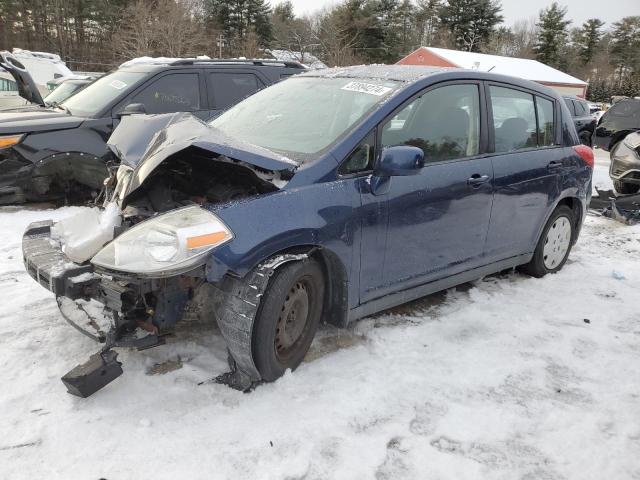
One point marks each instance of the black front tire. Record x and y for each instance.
(625, 188)
(288, 318)
(536, 267)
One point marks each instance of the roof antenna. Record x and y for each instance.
(491, 69)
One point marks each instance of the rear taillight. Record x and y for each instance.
(585, 153)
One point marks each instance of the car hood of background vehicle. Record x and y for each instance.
(144, 141)
(36, 120)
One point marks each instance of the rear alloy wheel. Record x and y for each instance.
(625, 188)
(554, 245)
(288, 318)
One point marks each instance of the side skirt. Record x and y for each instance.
(395, 299)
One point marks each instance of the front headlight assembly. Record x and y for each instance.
(169, 244)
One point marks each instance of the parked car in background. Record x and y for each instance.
(619, 121)
(42, 68)
(64, 88)
(60, 151)
(625, 164)
(582, 118)
(329, 197)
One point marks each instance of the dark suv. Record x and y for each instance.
(57, 151)
(619, 121)
(582, 118)
(329, 197)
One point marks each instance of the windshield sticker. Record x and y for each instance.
(118, 85)
(369, 88)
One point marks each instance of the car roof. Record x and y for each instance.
(410, 74)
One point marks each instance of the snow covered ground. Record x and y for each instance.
(509, 378)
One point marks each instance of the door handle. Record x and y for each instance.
(553, 165)
(476, 180)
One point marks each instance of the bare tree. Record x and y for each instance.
(161, 28)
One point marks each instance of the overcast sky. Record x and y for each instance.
(579, 10)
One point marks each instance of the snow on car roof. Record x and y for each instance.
(399, 73)
(515, 67)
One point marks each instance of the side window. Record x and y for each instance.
(570, 106)
(514, 119)
(230, 88)
(361, 159)
(582, 109)
(444, 123)
(546, 125)
(177, 92)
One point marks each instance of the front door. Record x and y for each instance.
(436, 222)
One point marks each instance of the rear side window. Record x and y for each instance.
(582, 109)
(514, 119)
(546, 124)
(229, 88)
(570, 106)
(177, 92)
(444, 123)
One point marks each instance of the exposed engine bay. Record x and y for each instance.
(190, 179)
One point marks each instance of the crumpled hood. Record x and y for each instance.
(143, 142)
(36, 120)
(26, 86)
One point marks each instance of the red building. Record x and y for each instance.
(516, 67)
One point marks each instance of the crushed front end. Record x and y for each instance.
(124, 274)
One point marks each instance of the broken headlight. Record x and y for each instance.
(168, 244)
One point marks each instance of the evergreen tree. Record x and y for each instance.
(471, 21)
(625, 45)
(284, 12)
(238, 18)
(588, 39)
(553, 34)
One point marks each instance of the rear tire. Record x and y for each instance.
(288, 318)
(625, 188)
(554, 244)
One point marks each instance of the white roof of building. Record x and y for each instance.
(516, 67)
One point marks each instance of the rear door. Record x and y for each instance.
(226, 87)
(527, 163)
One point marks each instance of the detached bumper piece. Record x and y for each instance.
(50, 267)
(624, 209)
(101, 369)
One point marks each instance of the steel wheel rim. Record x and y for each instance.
(293, 320)
(557, 242)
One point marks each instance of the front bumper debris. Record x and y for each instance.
(48, 265)
(624, 209)
(75, 287)
(86, 379)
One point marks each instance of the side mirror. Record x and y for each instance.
(400, 161)
(133, 109)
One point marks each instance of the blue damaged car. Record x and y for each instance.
(325, 198)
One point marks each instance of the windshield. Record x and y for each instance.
(303, 115)
(95, 97)
(62, 92)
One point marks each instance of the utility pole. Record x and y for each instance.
(220, 44)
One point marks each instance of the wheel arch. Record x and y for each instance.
(336, 301)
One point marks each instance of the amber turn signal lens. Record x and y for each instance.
(206, 240)
(10, 140)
